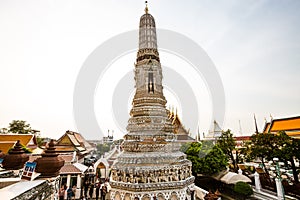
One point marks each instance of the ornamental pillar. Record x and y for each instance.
(257, 181)
(68, 180)
(79, 181)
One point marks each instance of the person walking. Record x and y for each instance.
(73, 191)
(97, 190)
(91, 190)
(103, 191)
(69, 193)
(86, 187)
(61, 193)
(107, 197)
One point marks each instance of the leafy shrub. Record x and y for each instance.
(243, 189)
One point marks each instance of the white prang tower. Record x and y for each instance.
(151, 165)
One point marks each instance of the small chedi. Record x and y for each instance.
(151, 165)
(49, 164)
(16, 158)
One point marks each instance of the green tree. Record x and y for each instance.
(267, 146)
(20, 127)
(227, 143)
(206, 158)
(287, 149)
(262, 147)
(102, 148)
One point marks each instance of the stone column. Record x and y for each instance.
(78, 181)
(279, 188)
(68, 180)
(257, 181)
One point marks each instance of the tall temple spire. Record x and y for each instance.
(151, 163)
(149, 102)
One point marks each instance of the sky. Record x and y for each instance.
(254, 45)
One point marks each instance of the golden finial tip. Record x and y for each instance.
(146, 9)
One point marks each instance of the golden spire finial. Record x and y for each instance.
(146, 9)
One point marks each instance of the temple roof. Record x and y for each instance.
(6, 145)
(214, 132)
(178, 127)
(290, 125)
(72, 141)
(69, 169)
(7, 141)
(75, 168)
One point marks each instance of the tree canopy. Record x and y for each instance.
(206, 158)
(20, 127)
(102, 148)
(227, 144)
(267, 146)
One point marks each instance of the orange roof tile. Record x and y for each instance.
(82, 141)
(267, 127)
(64, 148)
(74, 140)
(24, 138)
(5, 146)
(71, 141)
(285, 124)
(293, 133)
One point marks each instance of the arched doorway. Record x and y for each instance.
(174, 196)
(117, 196)
(146, 197)
(127, 197)
(101, 171)
(160, 197)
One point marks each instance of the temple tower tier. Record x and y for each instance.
(151, 165)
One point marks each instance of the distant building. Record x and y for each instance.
(180, 131)
(241, 141)
(109, 139)
(214, 133)
(290, 125)
(72, 141)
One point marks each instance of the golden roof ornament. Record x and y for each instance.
(146, 9)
